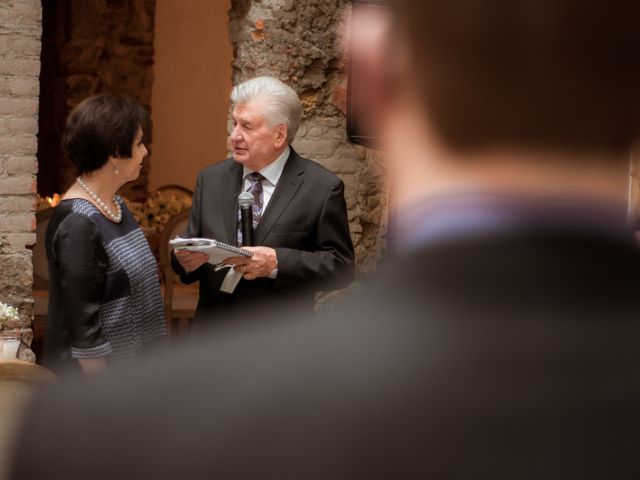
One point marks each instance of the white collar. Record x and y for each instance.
(273, 171)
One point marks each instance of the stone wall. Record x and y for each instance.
(298, 43)
(20, 31)
(89, 47)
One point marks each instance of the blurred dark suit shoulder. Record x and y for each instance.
(505, 356)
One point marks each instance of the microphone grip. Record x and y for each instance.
(246, 225)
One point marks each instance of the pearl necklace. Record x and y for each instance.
(117, 217)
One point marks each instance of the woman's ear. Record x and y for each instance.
(281, 135)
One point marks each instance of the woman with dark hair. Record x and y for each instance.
(105, 301)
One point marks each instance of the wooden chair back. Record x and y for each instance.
(172, 286)
(177, 191)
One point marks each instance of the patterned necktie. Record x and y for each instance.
(258, 200)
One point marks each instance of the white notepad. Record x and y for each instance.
(217, 251)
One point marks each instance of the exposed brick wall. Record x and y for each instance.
(20, 30)
(89, 47)
(297, 42)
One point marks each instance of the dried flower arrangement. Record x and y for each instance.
(157, 210)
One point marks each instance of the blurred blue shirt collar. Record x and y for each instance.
(446, 218)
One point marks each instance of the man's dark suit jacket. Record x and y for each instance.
(305, 222)
(512, 356)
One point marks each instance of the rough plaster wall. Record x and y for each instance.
(20, 30)
(89, 47)
(297, 42)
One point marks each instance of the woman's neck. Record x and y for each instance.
(101, 184)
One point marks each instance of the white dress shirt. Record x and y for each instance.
(271, 173)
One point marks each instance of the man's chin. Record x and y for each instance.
(240, 157)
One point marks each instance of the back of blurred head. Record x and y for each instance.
(514, 82)
(528, 73)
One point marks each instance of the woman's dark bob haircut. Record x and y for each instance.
(100, 127)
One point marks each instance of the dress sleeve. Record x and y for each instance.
(82, 263)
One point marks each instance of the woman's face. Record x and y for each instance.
(130, 167)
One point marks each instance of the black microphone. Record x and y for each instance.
(245, 200)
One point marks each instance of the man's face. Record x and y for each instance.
(255, 144)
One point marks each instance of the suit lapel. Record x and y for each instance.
(230, 189)
(288, 185)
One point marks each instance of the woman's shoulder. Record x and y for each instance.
(73, 214)
(84, 215)
(70, 230)
(80, 206)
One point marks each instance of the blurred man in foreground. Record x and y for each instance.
(503, 343)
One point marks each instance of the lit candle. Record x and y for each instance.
(9, 348)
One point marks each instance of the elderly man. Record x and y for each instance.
(300, 211)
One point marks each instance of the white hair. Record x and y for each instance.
(282, 105)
